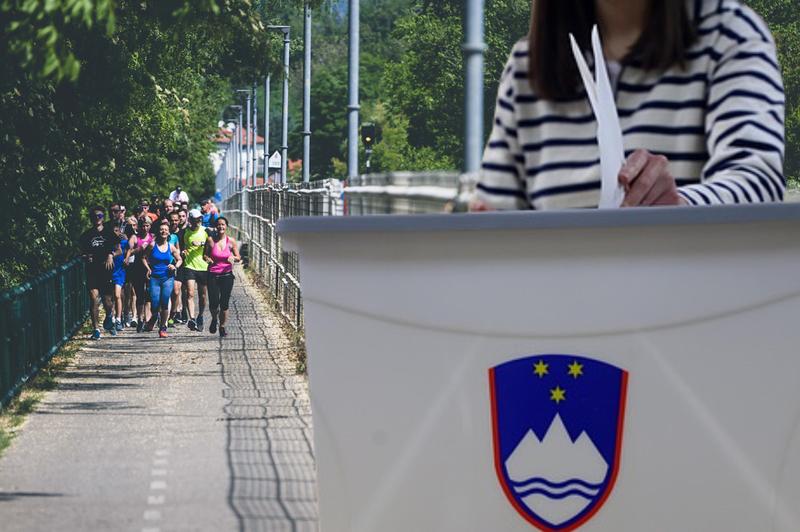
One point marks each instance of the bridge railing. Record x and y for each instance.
(253, 213)
(36, 318)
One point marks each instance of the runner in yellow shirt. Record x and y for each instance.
(196, 268)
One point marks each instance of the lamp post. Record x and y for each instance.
(285, 115)
(473, 50)
(307, 93)
(238, 137)
(255, 132)
(352, 106)
(266, 129)
(247, 138)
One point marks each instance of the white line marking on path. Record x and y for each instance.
(152, 515)
(158, 485)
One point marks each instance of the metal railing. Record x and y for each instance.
(253, 213)
(36, 318)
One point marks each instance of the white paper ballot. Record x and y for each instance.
(609, 132)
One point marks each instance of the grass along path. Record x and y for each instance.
(13, 417)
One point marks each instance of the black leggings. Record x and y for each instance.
(220, 286)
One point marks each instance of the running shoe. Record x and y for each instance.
(108, 322)
(200, 324)
(192, 325)
(171, 322)
(222, 333)
(133, 323)
(213, 327)
(140, 327)
(119, 325)
(150, 324)
(184, 315)
(162, 332)
(112, 331)
(96, 334)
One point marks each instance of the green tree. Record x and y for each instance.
(427, 83)
(136, 117)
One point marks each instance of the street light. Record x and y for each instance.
(285, 125)
(255, 131)
(247, 137)
(238, 173)
(352, 106)
(307, 94)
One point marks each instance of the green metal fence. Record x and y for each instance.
(36, 319)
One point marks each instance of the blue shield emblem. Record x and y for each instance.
(557, 422)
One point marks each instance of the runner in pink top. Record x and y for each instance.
(139, 273)
(220, 259)
(220, 253)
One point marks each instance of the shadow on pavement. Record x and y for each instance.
(270, 454)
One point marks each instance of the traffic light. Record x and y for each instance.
(368, 135)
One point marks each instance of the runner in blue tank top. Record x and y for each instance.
(162, 259)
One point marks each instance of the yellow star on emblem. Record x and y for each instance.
(575, 369)
(540, 369)
(558, 395)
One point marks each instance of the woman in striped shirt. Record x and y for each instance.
(700, 100)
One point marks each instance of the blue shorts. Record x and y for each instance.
(161, 291)
(118, 277)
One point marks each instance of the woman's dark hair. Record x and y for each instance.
(221, 218)
(553, 75)
(97, 208)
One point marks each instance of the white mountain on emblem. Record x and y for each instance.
(556, 478)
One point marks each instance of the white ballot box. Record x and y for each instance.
(631, 370)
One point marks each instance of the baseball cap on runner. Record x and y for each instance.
(194, 213)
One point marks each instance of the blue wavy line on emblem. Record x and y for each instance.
(555, 485)
(550, 495)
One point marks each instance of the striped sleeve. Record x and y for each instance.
(501, 181)
(745, 117)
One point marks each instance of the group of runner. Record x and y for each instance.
(149, 268)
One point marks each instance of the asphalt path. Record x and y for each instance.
(192, 432)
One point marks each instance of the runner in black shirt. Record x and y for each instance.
(99, 246)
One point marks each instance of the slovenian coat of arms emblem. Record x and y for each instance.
(557, 422)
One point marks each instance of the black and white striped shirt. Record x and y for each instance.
(719, 121)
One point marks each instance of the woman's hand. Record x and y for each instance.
(479, 206)
(647, 181)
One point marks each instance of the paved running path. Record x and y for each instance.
(191, 433)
